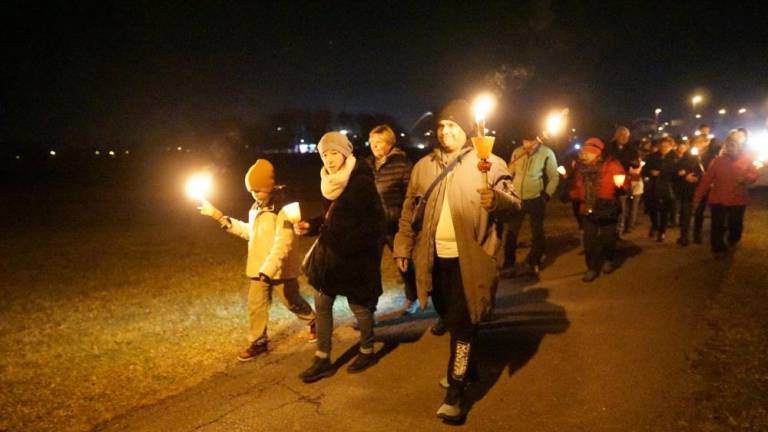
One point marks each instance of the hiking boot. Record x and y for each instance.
(254, 350)
(439, 328)
(321, 368)
(589, 276)
(312, 329)
(362, 362)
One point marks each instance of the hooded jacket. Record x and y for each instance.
(478, 232)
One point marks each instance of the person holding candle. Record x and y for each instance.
(688, 169)
(533, 167)
(707, 148)
(726, 181)
(273, 256)
(660, 170)
(597, 185)
(346, 257)
(451, 229)
(623, 150)
(392, 171)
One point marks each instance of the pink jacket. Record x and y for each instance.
(726, 180)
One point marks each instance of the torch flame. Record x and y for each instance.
(482, 106)
(199, 185)
(556, 122)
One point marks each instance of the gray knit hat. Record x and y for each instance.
(335, 141)
(460, 112)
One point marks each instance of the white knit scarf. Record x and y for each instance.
(332, 185)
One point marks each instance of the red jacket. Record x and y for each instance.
(726, 180)
(607, 188)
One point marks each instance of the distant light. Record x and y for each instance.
(367, 144)
(657, 111)
(279, 128)
(493, 132)
(577, 146)
(427, 133)
(696, 99)
(303, 148)
(685, 137)
(301, 140)
(710, 136)
(112, 153)
(661, 128)
(18, 157)
(486, 130)
(52, 152)
(555, 121)
(573, 130)
(127, 152)
(178, 148)
(697, 133)
(344, 132)
(722, 111)
(666, 123)
(402, 134)
(742, 110)
(420, 146)
(698, 116)
(97, 152)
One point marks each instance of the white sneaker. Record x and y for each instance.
(444, 382)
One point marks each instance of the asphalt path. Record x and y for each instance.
(559, 355)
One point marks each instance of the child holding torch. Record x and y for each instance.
(273, 255)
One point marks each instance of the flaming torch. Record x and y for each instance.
(483, 144)
(199, 186)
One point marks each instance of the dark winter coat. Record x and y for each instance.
(350, 236)
(687, 164)
(660, 187)
(392, 183)
(628, 154)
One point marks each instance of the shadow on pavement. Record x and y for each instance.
(560, 244)
(511, 339)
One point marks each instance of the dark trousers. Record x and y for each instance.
(451, 305)
(698, 217)
(659, 210)
(599, 243)
(726, 220)
(685, 204)
(536, 210)
(576, 208)
(408, 276)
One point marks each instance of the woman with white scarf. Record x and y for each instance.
(345, 259)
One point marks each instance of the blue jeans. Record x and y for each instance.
(324, 312)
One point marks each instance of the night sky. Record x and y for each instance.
(134, 70)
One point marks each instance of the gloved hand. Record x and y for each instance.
(207, 209)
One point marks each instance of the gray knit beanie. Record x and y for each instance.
(335, 141)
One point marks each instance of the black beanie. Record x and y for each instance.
(459, 112)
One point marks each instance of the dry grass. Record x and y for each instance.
(110, 301)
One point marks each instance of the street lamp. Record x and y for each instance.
(722, 111)
(742, 110)
(656, 113)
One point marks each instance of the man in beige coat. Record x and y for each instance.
(457, 251)
(273, 256)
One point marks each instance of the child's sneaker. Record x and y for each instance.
(253, 351)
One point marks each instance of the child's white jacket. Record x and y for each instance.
(272, 245)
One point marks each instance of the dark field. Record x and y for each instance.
(116, 292)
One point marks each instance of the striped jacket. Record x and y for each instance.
(392, 183)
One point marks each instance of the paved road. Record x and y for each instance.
(561, 355)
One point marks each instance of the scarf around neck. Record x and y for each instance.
(332, 185)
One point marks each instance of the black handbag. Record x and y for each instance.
(314, 263)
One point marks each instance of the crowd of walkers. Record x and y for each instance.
(453, 232)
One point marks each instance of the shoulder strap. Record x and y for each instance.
(445, 173)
